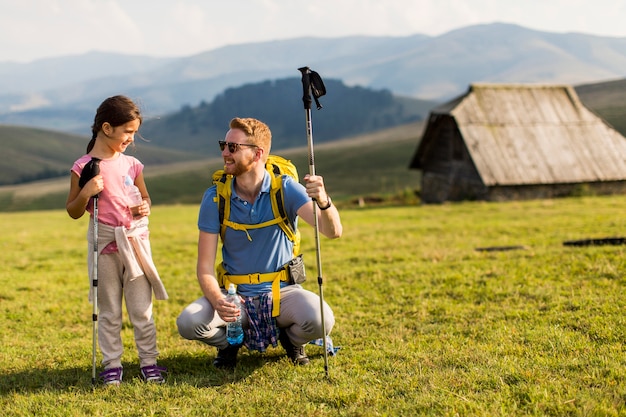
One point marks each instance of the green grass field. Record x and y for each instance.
(428, 325)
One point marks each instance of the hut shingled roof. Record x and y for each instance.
(536, 134)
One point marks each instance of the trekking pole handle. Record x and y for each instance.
(306, 87)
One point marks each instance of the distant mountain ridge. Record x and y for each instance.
(418, 66)
(53, 73)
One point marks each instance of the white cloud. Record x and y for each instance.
(32, 101)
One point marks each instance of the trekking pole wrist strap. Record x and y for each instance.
(327, 206)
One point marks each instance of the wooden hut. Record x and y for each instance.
(512, 141)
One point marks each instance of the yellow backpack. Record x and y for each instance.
(277, 167)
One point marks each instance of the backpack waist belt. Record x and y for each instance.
(274, 277)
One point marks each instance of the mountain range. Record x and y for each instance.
(62, 93)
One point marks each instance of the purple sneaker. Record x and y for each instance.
(153, 373)
(112, 376)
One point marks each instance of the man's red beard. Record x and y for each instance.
(238, 167)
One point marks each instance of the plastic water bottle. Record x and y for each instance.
(134, 199)
(234, 331)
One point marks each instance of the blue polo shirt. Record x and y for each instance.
(269, 248)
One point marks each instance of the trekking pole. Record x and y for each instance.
(94, 284)
(91, 169)
(312, 83)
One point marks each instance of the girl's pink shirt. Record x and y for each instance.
(117, 173)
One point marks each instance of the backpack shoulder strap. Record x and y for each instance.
(277, 197)
(222, 197)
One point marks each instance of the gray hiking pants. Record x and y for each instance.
(113, 286)
(299, 316)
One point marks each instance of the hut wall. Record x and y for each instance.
(449, 173)
(437, 188)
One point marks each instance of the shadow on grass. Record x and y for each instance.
(191, 369)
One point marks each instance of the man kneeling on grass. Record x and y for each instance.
(256, 252)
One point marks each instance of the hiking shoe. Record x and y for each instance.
(153, 373)
(112, 376)
(227, 358)
(296, 353)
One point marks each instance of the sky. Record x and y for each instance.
(34, 29)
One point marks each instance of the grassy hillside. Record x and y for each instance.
(30, 154)
(369, 165)
(607, 99)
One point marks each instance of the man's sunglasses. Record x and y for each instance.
(232, 146)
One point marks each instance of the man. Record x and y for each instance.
(274, 305)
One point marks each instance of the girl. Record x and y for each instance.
(125, 267)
